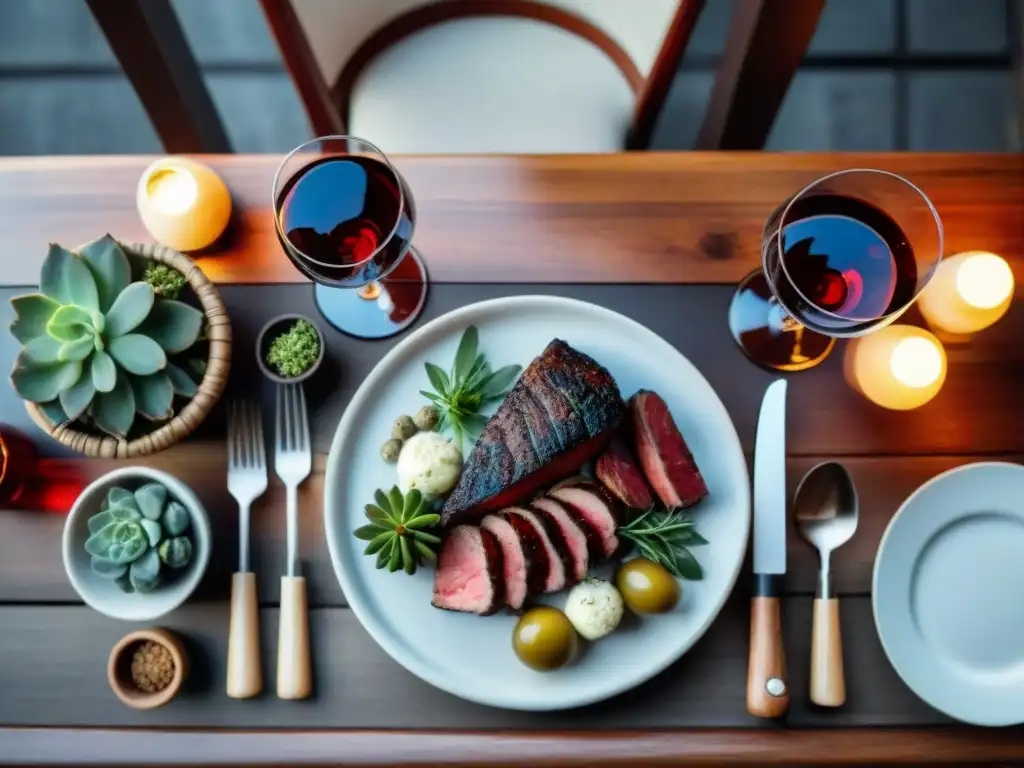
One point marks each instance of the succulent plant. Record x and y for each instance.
(136, 533)
(167, 282)
(96, 344)
(399, 530)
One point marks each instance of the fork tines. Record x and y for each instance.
(292, 433)
(245, 436)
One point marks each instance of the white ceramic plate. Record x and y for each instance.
(947, 592)
(472, 656)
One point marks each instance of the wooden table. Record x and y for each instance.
(660, 237)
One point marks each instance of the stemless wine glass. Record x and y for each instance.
(345, 218)
(846, 255)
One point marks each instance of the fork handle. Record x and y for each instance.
(245, 673)
(294, 675)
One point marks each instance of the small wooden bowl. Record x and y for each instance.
(119, 668)
(270, 331)
(98, 445)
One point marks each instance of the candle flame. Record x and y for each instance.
(916, 362)
(172, 190)
(984, 280)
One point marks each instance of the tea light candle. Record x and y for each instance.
(899, 367)
(968, 292)
(183, 204)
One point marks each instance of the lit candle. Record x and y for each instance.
(968, 292)
(899, 367)
(183, 204)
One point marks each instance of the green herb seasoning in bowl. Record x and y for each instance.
(290, 349)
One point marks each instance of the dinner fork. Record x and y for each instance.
(247, 481)
(293, 459)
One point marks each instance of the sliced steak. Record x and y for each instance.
(571, 532)
(593, 506)
(666, 461)
(561, 413)
(470, 572)
(526, 559)
(620, 473)
(559, 560)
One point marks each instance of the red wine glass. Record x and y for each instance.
(846, 255)
(345, 218)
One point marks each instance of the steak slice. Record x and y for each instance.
(663, 454)
(573, 537)
(525, 559)
(469, 575)
(619, 472)
(562, 411)
(559, 560)
(591, 505)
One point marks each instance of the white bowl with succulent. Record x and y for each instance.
(136, 543)
(106, 340)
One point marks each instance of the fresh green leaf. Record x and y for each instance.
(383, 501)
(109, 267)
(176, 552)
(43, 349)
(154, 396)
(76, 398)
(121, 497)
(438, 379)
(176, 518)
(501, 381)
(77, 350)
(151, 499)
(129, 309)
(137, 354)
(375, 513)
(144, 573)
(396, 502)
(65, 278)
(71, 323)
(114, 514)
(465, 356)
(114, 411)
(378, 542)
(426, 553)
(423, 521)
(104, 372)
(106, 569)
(181, 382)
(54, 413)
(384, 555)
(396, 555)
(173, 325)
(408, 561)
(367, 532)
(31, 315)
(436, 399)
(688, 567)
(413, 501)
(153, 531)
(43, 383)
(477, 374)
(426, 538)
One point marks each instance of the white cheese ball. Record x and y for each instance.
(594, 607)
(430, 463)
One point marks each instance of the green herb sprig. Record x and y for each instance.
(460, 394)
(664, 536)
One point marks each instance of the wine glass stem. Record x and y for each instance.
(370, 291)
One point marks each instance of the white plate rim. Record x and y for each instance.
(965, 715)
(381, 636)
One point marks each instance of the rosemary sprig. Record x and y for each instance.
(664, 535)
(470, 385)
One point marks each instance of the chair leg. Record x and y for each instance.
(767, 40)
(148, 41)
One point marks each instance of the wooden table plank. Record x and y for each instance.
(359, 686)
(688, 217)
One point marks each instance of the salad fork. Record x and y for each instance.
(293, 460)
(247, 481)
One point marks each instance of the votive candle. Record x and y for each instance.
(968, 292)
(899, 367)
(183, 204)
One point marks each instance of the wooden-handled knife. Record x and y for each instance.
(767, 687)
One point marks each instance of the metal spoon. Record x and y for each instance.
(825, 506)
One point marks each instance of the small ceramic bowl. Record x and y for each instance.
(103, 594)
(273, 329)
(119, 668)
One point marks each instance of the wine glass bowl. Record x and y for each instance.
(846, 255)
(345, 218)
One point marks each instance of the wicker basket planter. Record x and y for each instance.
(210, 388)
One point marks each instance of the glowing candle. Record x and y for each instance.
(968, 292)
(183, 204)
(899, 367)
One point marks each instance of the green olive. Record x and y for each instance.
(544, 639)
(647, 587)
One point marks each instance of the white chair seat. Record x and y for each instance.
(492, 85)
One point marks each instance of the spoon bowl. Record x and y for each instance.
(825, 507)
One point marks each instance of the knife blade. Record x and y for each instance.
(767, 689)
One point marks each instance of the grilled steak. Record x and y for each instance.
(619, 472)
(525, 559)
(562, 411)
(667, 462)
(592, 506)
(470, 572)
(559, 561)
(571, 533)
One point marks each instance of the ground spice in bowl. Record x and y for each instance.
(152, 667)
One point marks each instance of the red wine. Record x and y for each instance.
(337, 211)
(847, 264)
